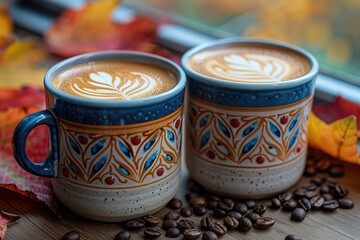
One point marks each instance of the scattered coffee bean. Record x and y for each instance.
(310, 194)
(212, 204)
(284, 197)
(323, 165)
(264, 222)
(317, 202)
(292, 237)
(231, 222)
(310, 171)
(275, 203)
(310, 186)
(134, 224)
(324, 188)
(289, 205)
(209, 235)
(305, 204)
(218, 228)
(123, 235)
(172, 232)
(226, 205)
(250, 203)
(175, 204)
(241, 208)
(72, 235)
(186, 224)
(330, 183)
(191, 234)
(317, 181)
(337, 171)
(260, 209)
(172, 215)
(218, 213)
(245, 224)
(215, 198)
(206, 222)
(299, 193)
(340, 191)
(152, 233)
(298, 214)
(200, 201)
(191, 195)
(151, 221)
(186, 212)
(252, 216)
(199, 210)
(236, 215)
(167, 224)
(327, 196)
(346, 203)
(330, 205)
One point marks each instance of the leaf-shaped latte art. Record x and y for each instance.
(250, 67)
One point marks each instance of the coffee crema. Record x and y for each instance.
(250, 64)
(114, 80)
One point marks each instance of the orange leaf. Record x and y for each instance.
(338, 139)
(5, 21)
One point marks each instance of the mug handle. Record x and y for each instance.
(47, 168)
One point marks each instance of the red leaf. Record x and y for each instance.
(5, 218)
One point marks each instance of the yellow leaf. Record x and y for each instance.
(338, 139)
(5, 21)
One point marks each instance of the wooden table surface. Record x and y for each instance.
(38, 222)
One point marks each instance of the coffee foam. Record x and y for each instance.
(114, 80)
(250, 64)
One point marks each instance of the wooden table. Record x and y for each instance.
(38, 222)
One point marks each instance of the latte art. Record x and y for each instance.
(110, 80)
(249, 64)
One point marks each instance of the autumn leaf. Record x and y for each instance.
(5, 218)
(5, 21)
(338, 139)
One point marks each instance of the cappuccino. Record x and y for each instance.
(250, 63)
(114, 80)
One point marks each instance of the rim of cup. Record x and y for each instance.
(241, 85)
(125, 55)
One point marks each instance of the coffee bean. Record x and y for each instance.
(337, 171)
(330, 183)
(252, 216)
(298, 214)
(284, 197)
(214, 198)
(340, 191)
(330, 205)
(299, 193)
(323, 165)
(328, 196)
(151, 221)
(218, 228)
(209, 235)
(226, 205)
(206, 222)
(231, 222)
(324, 188)
(123, 235)
(186, 224)
(346, 203)
(310, 186)
(305, 204)
(241, 208)
(218, 213)
(199, 210)
(317, 181)
(289, 205)
(310, 194)
(275, 203)
(152, 233)
(292, 237)
(72, 235)
(212, 204)
(172, 215)
(310, 171)
(191, 234)
(175, 204)
(233, 214)
(134, 224)
(317, 202)
(186, 212)
(245, 224)
(167, 224)
(250, 203)
(260, 209)
(190, 196)
(264, 222)
(200, 201)
(172, 232)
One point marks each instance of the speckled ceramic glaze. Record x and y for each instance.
(111, 160)
(247, 140)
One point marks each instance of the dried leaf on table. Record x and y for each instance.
(5, 218)
(5, 20)
(22, 64)
(338, 139)
(24, 97)
(91, 28)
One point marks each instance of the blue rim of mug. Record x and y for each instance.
(125, 55)
(241, 85)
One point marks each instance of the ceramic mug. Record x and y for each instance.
(246, 139)
(109, 160)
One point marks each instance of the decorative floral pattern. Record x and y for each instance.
(252, 137)
(122, 160)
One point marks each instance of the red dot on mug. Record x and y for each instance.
(160, 172)
(260, 159)
(135, 140)
(110, 180)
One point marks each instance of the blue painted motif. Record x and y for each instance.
(97, 147)
(204, 121)
(223, 129)
(249, 129)
(250, 145)
(149, 143)
(170, 135)
(123, 170)
(205, 139)
(169, 157)
(294, 137)
(73, 145)
(150, 160)
(274, 129)
(100, 164)
(73, 168)
(124, 149)
(294, 122)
